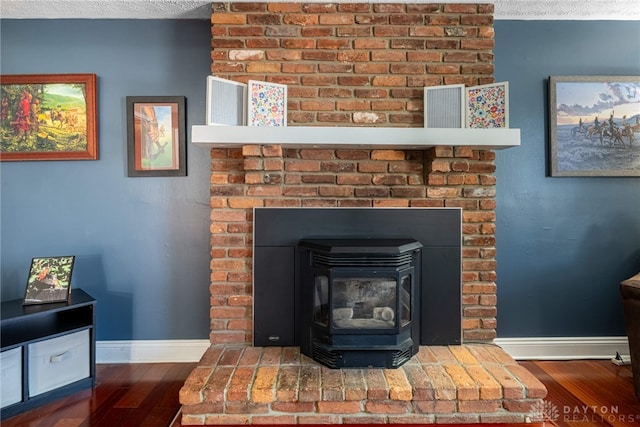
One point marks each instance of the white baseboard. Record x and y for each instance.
(150, 351)
(564, 348)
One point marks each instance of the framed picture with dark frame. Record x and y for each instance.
(156, 136)
(594, 126)
(49, 280)
(48, 117)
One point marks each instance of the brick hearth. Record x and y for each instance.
(277, 385)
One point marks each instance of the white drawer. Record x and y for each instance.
(58, 361)
(10, 377)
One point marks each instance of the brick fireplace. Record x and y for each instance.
(353, 64)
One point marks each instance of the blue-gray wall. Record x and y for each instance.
(142, 243)
(564, 244)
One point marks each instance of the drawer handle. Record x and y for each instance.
(60, 357)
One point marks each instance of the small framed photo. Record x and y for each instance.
(48, 117)
(49, 280)
(594, 126)
(156, 136)
(488, 106)
(226, 102)
(267, 104)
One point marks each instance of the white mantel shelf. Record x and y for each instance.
(353, 137)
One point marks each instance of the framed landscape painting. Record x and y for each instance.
(594, 125)
(48, 117)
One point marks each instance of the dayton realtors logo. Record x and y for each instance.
(545, 411)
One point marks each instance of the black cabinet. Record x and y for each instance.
(48, 351)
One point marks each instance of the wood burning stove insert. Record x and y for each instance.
(360, 301)
(277, 289)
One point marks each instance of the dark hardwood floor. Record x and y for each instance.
(126, 395)
(588, 392)
(581, 393)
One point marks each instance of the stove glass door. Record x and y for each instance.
(364, 303)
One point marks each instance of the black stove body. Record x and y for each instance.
(359, 301)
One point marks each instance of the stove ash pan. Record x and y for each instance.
(359, 301)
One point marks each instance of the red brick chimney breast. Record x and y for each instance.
(350, 64)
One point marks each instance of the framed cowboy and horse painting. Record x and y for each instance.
(594, 125)
(48, 117)
(156, 136)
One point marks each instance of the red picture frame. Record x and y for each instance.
(48, 117)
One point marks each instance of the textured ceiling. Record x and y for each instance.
(200, 9)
